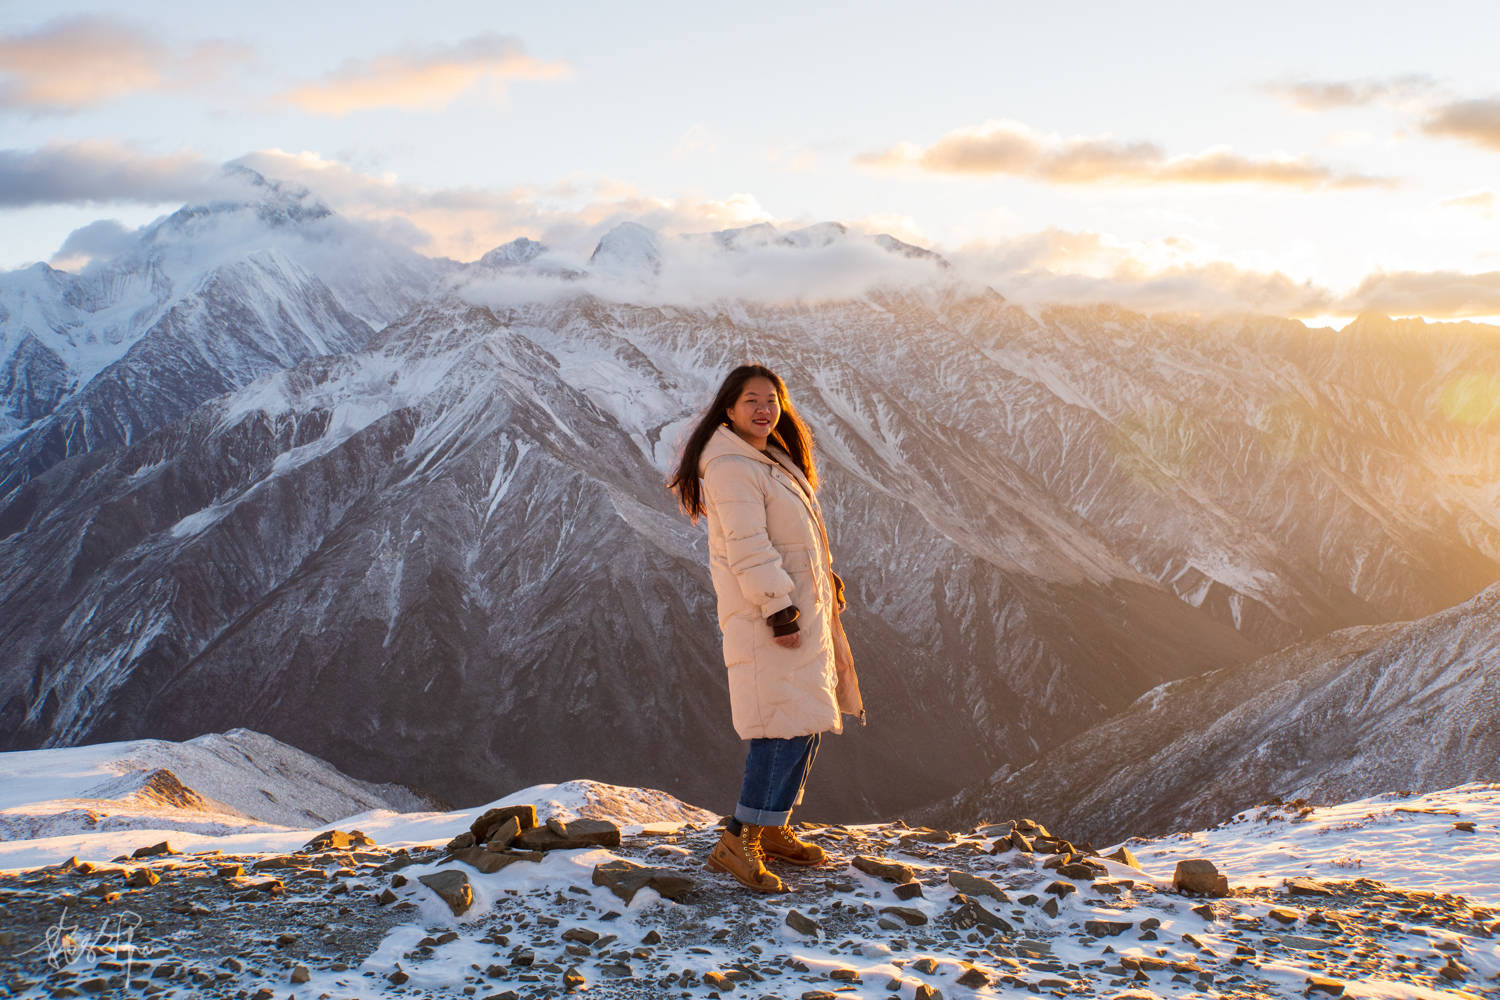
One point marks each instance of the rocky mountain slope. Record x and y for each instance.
(1408, 705)
(447, 557)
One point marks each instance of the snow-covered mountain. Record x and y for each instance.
(448, 557)
(200, 302)
(1407, 705)
(213, 785)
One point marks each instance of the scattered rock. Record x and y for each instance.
(484, 828)
(572, 979)
(1282, 915)
(1107, 928)
(558, 836)
(971, 914)
(1464, 826)
(625, 879)
(580, 934)
(974, 978)
(1454, 970)
(337, 840)
(1083, 871)
(1124, 856)
(1018, 841)
(974, 885)
(488, 861)
(142, 878)
(802, 924)
(891, 871)
(908, 890)
(906, 914)
(156, 850)
(504, 834)
(454, 888)
(1322, 984)
(1306, 887)
(1061, 889)
(1031, 828)
(1199, 875)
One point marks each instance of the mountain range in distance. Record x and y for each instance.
(263, 469)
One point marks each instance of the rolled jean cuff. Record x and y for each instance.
(761, 817)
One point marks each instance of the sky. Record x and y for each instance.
(1309, 159)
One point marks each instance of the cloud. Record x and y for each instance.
(1474, 121)
(1083, 268)
(816, 264)
(103, 239)
(98, 171)
(84, 60)
(1434, 294)
(1483, 202)
(1013, 149)
(421, 78)
(1328, 95)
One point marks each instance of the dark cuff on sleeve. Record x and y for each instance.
(784, 622)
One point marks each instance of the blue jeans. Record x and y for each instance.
(775, 772)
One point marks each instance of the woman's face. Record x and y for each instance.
(753, 416)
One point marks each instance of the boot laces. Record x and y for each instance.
(753, 851)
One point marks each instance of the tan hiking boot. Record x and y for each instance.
(742, 857)
(781, 843)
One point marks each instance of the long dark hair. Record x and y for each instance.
(790, 434)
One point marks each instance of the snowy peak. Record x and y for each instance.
(904, 249)
(513, 254)
(628, 250)
(820, 234)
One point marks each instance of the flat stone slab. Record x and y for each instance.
(891, 871)
(975, 885)
(625, 879)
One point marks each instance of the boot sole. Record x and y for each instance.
(797, 861)
(715, 865)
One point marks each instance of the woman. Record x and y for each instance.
(748, 467)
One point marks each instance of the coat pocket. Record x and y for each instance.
(806, 592)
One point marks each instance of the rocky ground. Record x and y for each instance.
(901, 912)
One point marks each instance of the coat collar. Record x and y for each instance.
(726, 442)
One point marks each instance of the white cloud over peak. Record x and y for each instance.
(466, 222)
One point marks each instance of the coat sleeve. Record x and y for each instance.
(735, 492)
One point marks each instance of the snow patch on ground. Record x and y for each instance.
(1404, 840)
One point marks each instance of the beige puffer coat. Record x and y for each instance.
(768, 549)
